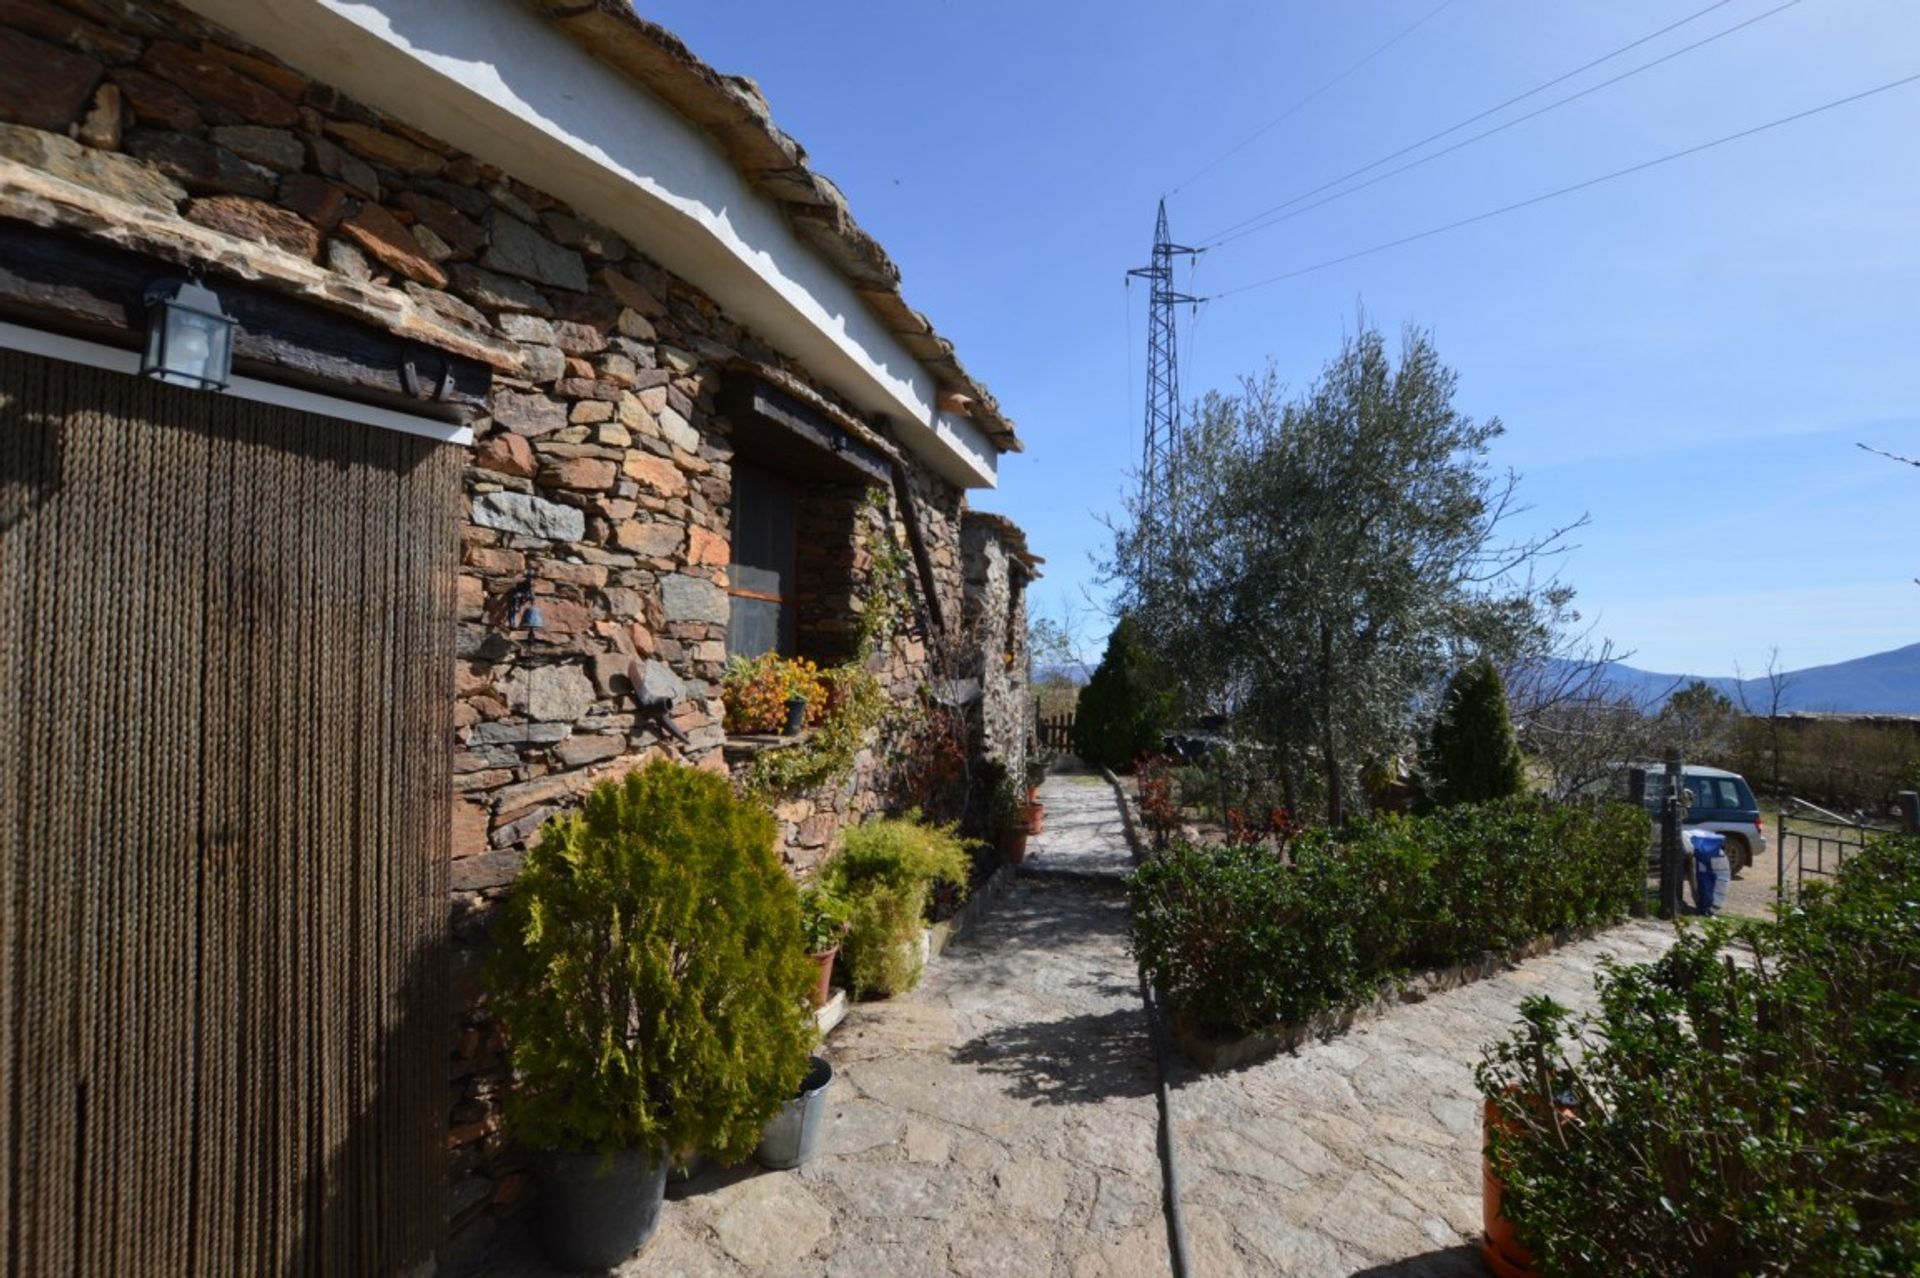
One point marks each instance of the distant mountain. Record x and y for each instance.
(1073, 672)
(1884, 683)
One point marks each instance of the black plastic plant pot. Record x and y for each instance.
(796, 716)
(790, 1138)
(596, 1210)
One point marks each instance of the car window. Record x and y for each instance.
(1714, 794)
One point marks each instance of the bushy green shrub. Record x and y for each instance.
(1472, 755)
(1749, 1104)
(824, 918)
(1196, 789)
(651, 973)
(1126, 707)
(886, 870)
(1240, 938)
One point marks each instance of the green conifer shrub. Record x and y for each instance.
(651, 972)
(1126, 706)
(886, 870)
(1472, 756)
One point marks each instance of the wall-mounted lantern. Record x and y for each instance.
(189, 336)
(522, 612)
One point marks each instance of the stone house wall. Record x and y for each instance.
(600, 474)
(998, 570)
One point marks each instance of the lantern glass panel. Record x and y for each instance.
(189, 339)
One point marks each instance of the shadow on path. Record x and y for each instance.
(1054, 943)
(1451, 1262)
(1078, 1060)
(1043, 917)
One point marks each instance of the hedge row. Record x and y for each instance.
(1240, 939)
(1750, 1104)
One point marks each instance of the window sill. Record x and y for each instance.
(747, 746)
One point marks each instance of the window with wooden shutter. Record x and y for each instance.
(760, 578)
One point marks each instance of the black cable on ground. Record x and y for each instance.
(1163, 1066)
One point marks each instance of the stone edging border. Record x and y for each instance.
(1178, 1255)
(1213, 1052)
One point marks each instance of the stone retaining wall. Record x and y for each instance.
(600, 473)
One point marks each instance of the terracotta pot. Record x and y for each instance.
(822, 992)
(1013, 845)
(1504, 1253)
(1036, 818)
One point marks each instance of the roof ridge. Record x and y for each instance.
(733, 111)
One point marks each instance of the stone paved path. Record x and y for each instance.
(1360, 1155)
(1083, 834)
(1000, 1120)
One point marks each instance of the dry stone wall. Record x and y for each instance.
(996, 593)
(600, 476)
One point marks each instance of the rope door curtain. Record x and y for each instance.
(226, 662)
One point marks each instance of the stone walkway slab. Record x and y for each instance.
(1360, 1154)
(1083, 832)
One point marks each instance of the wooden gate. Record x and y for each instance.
(225, 714)
(1055, 731)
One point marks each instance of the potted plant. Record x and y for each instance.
(1037, 765)
(1010, 818)
(790, 1138)
(759, 694)
(824, 919)
(886, 871)
(1512, 1113)
(651, 974)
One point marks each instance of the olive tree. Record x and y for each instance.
(1698, 720)
(1331, 556)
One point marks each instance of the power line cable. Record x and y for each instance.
(1518, 98)
(1642, 167)
(1300, 105)
(1487, 133)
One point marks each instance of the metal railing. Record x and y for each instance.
(1816, 842)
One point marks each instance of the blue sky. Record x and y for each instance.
(1687, 355)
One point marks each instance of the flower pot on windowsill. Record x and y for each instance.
(822, 993)
(796, 716)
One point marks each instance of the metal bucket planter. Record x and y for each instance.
(790, 1138)
(597, 1210)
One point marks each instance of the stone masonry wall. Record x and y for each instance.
(602, 474)
(996, 593)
